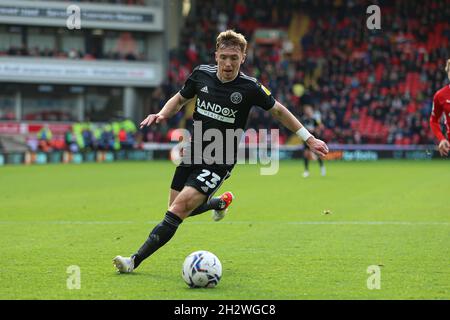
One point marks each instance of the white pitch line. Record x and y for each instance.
(68, 222)
(369, 223)
(327, 222)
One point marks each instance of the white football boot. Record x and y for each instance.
(124, 265)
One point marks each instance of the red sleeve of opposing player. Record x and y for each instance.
(436, 114)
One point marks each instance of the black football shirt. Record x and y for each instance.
(311, 124)
(222, 107)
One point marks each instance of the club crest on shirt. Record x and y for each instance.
(236, 97)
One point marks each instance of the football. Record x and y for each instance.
(202, 269)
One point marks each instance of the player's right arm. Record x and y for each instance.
(172, 106)
(436, 114)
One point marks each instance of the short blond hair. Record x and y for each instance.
(447, 67)
(230, 38)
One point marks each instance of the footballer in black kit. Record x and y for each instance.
(221, 106)
(314, 125)
(223, 99)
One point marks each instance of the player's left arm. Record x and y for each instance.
(287, 119)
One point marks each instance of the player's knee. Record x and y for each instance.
(180, 208)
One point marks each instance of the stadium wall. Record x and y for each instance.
(118, 17)
(131, 81)
(152, 151)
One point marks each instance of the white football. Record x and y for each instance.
(202, 269)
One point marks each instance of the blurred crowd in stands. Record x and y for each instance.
(23, 51)
(86, 136)
(109, 45)
(121, 2)
(367, 86)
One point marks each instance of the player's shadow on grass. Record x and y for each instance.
(147, 275)
(158, 278)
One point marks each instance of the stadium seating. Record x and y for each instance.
(361, 82)
(367, 86)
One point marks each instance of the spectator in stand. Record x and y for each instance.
(70, 141)
(44, 136)
(123, 139)
(370, 86)
(33, 143)
(88, 138)
(107, 138)
(342, 65)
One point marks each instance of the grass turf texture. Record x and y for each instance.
(276, 242)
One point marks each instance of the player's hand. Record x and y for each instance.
(156, 118)
(444, 147)
(317, 146)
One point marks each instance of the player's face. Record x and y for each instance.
(309, 112)
(229, 60)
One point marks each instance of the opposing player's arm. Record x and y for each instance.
(436, 114)
(172, 107)
(287, 119)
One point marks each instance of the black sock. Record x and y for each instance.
(159, 236)
(306, 163)
(320, 162)
(214, 203)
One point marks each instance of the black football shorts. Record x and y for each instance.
(206, 179)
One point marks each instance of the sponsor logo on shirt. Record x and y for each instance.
(216, 111)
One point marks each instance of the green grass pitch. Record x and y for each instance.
(276, 242)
